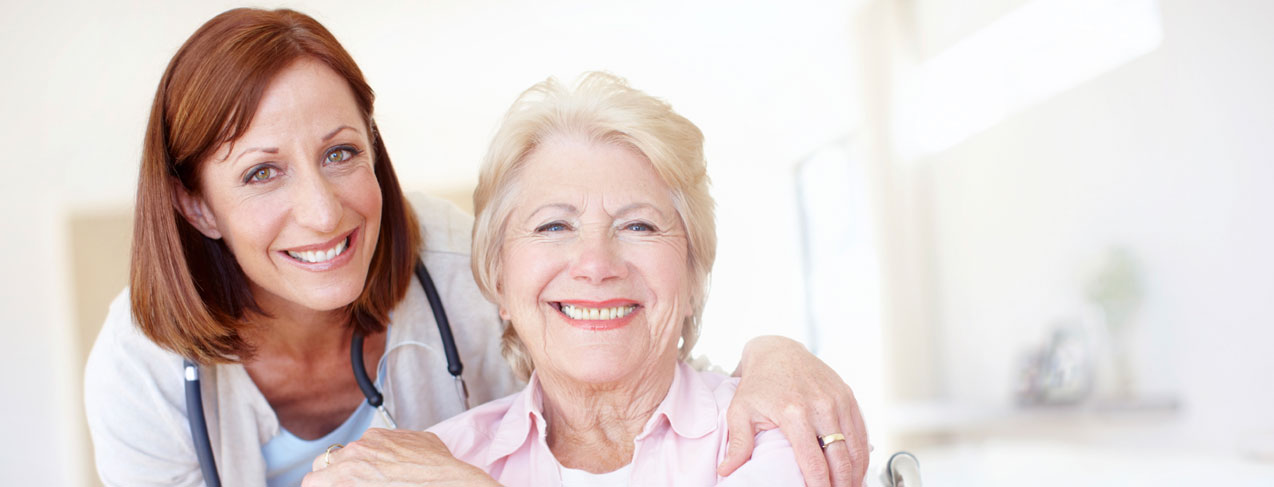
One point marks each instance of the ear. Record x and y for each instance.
(499, 292)
(692, 301)
(195, 210)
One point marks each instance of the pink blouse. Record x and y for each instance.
(681, 444)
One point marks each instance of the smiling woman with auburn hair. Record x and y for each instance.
(274, 254)
(208, 96)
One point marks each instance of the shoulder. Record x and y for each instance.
(418, 370)
(472, 434)
(123, 353)
(444, 226)
(445, 253)
(446, 232)
(773, 462)
(135, 405)
(721, 386)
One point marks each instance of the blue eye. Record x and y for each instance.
(552, 227)
(340, 154)
(639, 227)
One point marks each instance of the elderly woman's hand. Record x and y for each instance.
(785, 386)
(394, 457)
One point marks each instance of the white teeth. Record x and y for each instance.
(313, 256)
(579, 313)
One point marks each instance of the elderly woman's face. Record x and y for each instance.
(594, 271)
(296, 197)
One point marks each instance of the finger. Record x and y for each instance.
(809, 456)
(840, 464)
(320, 462)
(742, 438)
(325, 459)
(316, 479)
(846, 469)
(831, 419)
(856, 442)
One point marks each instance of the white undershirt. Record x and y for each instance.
(580, 478)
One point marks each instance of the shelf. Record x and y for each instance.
(953, 418)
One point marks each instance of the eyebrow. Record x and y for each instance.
(337, 131)
(275, 150)
(569, 208)
(638, 206)
(267, 150)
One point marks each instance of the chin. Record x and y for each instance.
(330, 299)
(602, 366)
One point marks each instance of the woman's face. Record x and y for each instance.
(296, 198)
(594, 271)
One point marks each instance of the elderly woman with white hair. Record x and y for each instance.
(595, 237)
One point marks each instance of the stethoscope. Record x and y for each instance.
(194, 396)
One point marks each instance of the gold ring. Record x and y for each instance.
(327, 455)
(825, 440)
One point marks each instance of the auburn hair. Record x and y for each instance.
(187, 290)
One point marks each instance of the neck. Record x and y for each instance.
(289, 330)
(593, 426)
(292, 341)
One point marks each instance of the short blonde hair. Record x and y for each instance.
(603, 109)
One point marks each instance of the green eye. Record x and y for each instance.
(340, 154)
(262, 174)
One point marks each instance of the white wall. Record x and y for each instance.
(767, 82)
(1167, 156)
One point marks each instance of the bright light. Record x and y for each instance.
(1031, 54)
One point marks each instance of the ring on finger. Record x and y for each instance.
(825, 440)
(327, 455)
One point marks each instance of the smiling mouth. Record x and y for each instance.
(576, 312)
(320, 256)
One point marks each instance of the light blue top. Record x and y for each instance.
(288, 458)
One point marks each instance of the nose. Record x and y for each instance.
(315, 204)
(597, 258)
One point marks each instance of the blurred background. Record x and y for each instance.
(1033, 235)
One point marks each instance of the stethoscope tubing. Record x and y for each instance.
(194, 393)
(199, 432)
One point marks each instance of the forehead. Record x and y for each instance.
(565, 166)
(303, 102)
(306, 91)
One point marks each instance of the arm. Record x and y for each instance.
(783, 385)
(136, 420)
(395, 457)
